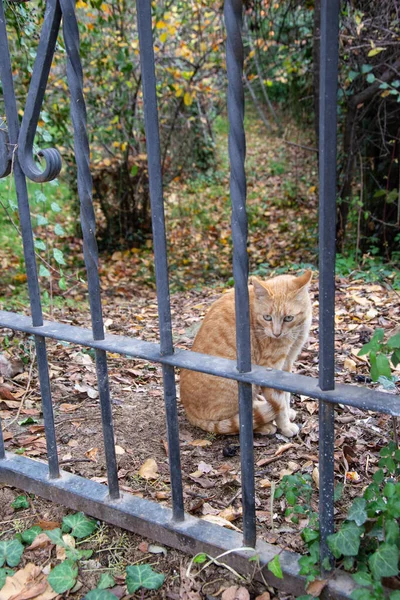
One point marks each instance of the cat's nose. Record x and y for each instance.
(277, 334)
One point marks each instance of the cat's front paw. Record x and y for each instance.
(292, 414)
(266, 429)
(290, 430)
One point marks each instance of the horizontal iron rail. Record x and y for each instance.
(350, 395)
(150, 519)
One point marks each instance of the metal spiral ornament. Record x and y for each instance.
(5, 157)
(82, 154)
(37, 88)
(237, 154)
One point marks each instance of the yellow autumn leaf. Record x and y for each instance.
(149, 469)
(179, 92)
(160, 25)
(375, 51)
(188, 99)
(81, 4)
(163, 37)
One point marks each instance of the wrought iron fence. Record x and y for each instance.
(172, 527)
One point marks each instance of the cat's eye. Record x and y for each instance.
(288, 318)
(267, 317)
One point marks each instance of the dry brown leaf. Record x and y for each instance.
(235, 593)
(360, 300)
(119, 450)
(5, 394)
(350, 365)
(283, 448)
(315, 476)
(217, 520)
(49, 525)
(61, 551)
(149, 469)
(315, 587)
(67, 408)
(25, 583)
(264, 596)
(143, 547)
(230, 514)
(371, 314)
(265, 483)
(312, 406)
(92, 454)
(40, 541)
(201, 443)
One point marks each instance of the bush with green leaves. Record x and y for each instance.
(381, 354)
(367, 542)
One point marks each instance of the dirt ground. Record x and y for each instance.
(210, 464)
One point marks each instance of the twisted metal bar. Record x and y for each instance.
(29, 248)
(237, 153)
(37, 88)
(160, 247)
(5, 158)
(88, 224)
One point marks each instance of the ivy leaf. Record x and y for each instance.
(385, 561)
(362, 578)
(29, 535)
(41, 220)
(63, 577)
(55, 208)
(392, 531)
(394, 595)
(358, 511)
(100, 595)
(4, 573)
(138, 576)
(55, 536)
(58, 229)
(40, 245)
(274, 566)
(43, 272)
(58, 256)
(20, 502)
(11, 552)
(80, 525)
(362, 594)
(106, 581)
(394, 341)
(346, 541)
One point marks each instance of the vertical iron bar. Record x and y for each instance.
(88, 224)
(160, 246)
(28, 245)
(327, 245)
(2, 449)
(237, 153)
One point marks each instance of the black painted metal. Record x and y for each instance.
(327, 246)
(28, 244)
(233, 10)
(88, 224)
(160, 246)
(16, 154)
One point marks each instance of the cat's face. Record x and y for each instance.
(282, 306)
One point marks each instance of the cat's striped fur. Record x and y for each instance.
(280, 316)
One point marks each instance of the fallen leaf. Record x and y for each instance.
(67, 408)
(201, 443)
(265, 483)
(5, 394)
(204, 467)
(9, 368)
(350, 365)
(149, 469)
(315, 587)
(154, 549)
(230, 514)
(143, 547)
(60, 550)
(217, 520)
(27, 581)
(315, 476)
(92, 454)
(264, 596)
(40, 541)
(48, 525)
(235, 593)
(119, 450)
(353, 476)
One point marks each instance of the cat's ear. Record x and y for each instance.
(259, 290)
(302, 281)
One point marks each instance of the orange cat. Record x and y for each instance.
(280, 318)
